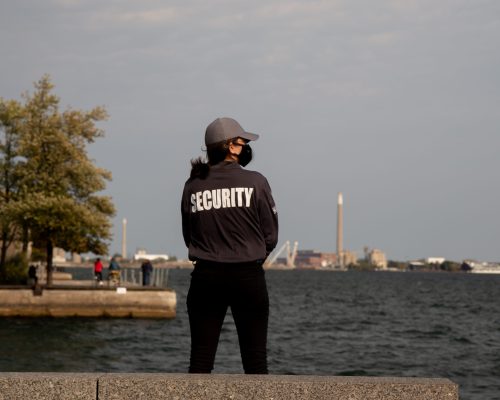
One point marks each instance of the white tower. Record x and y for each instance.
(124, 238)
(340, 231)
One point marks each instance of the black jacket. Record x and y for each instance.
(230, 216)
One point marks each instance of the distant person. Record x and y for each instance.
(114, 271)
(113, 265)
(147, 270)
(32, 275)
(230, 226)
(98, 271)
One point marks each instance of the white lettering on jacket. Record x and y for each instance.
(221, 198)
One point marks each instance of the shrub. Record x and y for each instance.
(15, 270)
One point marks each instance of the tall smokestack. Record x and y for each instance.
(340, 231)
(124, 239)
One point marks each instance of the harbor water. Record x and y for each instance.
(321, 323)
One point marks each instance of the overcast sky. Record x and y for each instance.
(394, 103)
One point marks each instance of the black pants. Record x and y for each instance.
(214, 288)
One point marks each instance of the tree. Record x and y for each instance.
(11, 115)
(450, 266)
(400, 265)
(59, 186)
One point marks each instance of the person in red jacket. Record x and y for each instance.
(230, 226)
(98, 271)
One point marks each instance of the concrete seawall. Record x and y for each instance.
(88, 302)
(53, 386)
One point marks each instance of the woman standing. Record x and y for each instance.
(230, 225)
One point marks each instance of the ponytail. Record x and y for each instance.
(216, 153)
(199, 168)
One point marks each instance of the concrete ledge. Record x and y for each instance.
(211, 387)
(67, 302)
(275, 387)
(45, 386)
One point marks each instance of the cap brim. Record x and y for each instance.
(248, 136)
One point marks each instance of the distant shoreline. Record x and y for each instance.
(186, 264)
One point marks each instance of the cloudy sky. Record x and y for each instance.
(394, 103)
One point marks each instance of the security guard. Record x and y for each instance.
(230, 226)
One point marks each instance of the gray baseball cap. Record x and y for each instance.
(226, 128)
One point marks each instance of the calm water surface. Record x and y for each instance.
(322, 323)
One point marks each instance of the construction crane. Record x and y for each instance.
(290, 254)
(290, 259)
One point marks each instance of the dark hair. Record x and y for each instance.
(216, 153)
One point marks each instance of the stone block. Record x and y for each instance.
(271, 387)
(48, 386)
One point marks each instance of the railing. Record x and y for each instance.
(133, 276)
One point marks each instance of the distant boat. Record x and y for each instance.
(486, 270)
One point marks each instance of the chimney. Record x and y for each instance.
(124, 239)
(340, 232)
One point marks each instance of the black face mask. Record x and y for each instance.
(245, 156)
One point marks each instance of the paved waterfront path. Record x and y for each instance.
(93, 386)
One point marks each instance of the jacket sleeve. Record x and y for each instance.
(268, 216)
(185, 213)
